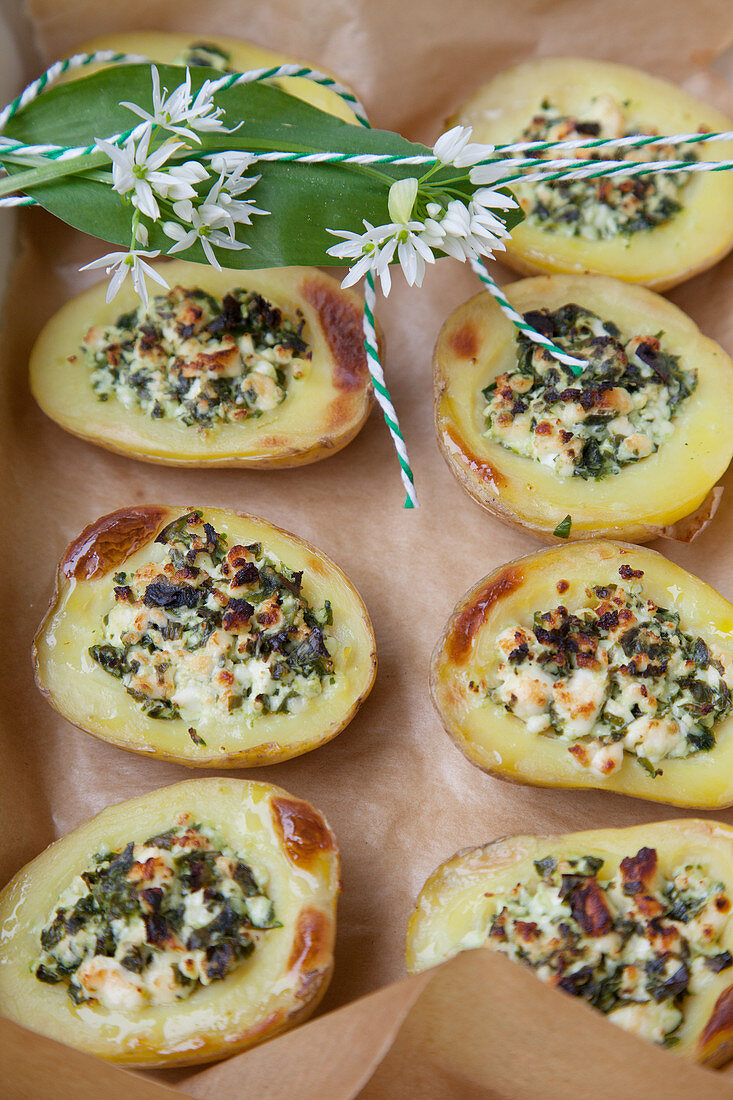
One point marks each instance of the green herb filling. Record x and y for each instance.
(152, 923)
(203, 627)
(610, 206)
(617, 412)
(635, 944)
(617, 679)
(196, 359)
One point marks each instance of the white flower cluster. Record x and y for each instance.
(452, 226)
(148, 178)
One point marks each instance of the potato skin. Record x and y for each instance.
(454, 899)
(321, 413)
(671, 494)
(498, 742)
(92, 700)
(694, 239)
(277, 988)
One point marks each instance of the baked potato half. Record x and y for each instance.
(683, 227)
(206, 637)
(286, 386)
(595, 665)
(264, 969)
(640, 368)
(218, 52)
(673, 878)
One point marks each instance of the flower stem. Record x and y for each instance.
(25, 181)
(430, 172)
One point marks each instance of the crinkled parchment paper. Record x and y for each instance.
(399, 795)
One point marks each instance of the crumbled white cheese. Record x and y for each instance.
(619, 676)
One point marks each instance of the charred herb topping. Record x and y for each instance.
(635, 944)
(152, 923)
(198, 359)
(618, 411)
(204, 626)
(618, 676)
(604, 208)
(206, 54)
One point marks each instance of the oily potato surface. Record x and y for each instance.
(322, 411)
(287, 843)
(692, 240)
(653, 497)
(456, 905)
(86, 695)
(498, 742)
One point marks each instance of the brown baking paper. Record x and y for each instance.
(398, 794)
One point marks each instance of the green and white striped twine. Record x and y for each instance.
(253, 75)
(525, 169)
(382, 393)
(57, 70)
(576, 365)
(630, 141)
(52, 74)
(592, 169)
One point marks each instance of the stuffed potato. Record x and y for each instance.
(655, 229)
(228, 368)
(635, 921)
(593, 665)
(178, 927)
(205, 637)
(632, 448)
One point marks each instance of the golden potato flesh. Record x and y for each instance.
(465, 673)
(645, 499)
(689, 241)
(169, 47)
(286, 843)
(323, 409)
(458, 905)
(233, 727)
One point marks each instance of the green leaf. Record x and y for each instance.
(304, 200)
(562, 531)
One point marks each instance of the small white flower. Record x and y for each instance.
(207, 227)
(466, 232)
(177, 183)
(401, 199)
(178, 113)
(456, 221)
(230, 159)
(204, 114)
(375, 249)
(453, 147)
(486, 174)
(223, 198)
(169, 113)
(125, 263)
(137, 170)
(433, 234)
(413, 254)
(486, 226)
(485, 197)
